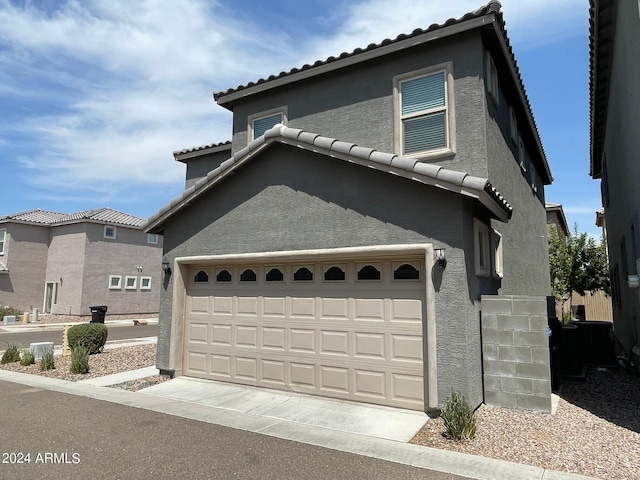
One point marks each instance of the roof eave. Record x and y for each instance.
(226, 100)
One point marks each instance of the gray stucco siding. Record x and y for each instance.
(355, 104)
(198, 167)
(26, 256)
(290, 199)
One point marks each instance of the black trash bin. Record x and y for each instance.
(98, 313)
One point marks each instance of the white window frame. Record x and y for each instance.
(493, 87)
(513, 125)
(448, 109)
(118, 285)
(481, 248)
(3, 240)
(498, 261)
(152, 238)
(268, 113)
(142, 283)
(521, 155)
(107, 227)
(126, 282)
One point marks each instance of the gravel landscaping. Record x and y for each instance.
(595, 431)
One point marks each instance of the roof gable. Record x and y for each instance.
(425, 173)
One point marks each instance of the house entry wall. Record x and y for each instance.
(291, 327)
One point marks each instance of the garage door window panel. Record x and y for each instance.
(406, 271)
(335, 273)
(223, 275)
(274, 275)
(248, 275)
(201, 277)
(303, 274)
(369, 272)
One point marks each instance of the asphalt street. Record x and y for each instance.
(54, 334)
(75, 437)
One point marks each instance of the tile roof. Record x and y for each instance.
(426, 173)
(202, 149)
(474, 19)
(100, 215)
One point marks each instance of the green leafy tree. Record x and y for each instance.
(578, 264)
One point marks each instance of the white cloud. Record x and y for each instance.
(109, 88)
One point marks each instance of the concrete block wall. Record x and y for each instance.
(515, 350)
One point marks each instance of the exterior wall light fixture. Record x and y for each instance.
(439, 257)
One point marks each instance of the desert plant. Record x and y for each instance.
(48, 361)
(27, 357)
(11, 354)
(9, 311)
(80, 360)
(92, 336)
(458, 418)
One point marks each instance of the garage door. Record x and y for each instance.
(349, 330)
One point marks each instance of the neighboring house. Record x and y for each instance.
(340, 245)
(66, 263)
(615, 143)
(590, 306)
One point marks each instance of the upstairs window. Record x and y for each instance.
(261, 122)
(152, 238)
(481, 248)
(109, 232)
(423, 118)
(492, 80)
(513, 125)
(3, 236)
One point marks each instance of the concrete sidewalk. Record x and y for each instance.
(29, 327)
(335, 424)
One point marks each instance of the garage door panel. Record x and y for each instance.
(247, 336)
(273, 338)
(335, 308)
(221, 334)
(303, 340)
(369, 345)
(222, 305)
(371, 309)
(304, 308)
(334, 343)
(356, 340)
(198, 304)
(248, 306)
(302, 374)
(408, 388)
(406, 310)
(246, 368)
(406, 348)
(273, 371)
(334, 379)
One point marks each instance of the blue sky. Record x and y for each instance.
(95, 95)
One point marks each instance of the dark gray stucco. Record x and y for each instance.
(291, 199)
(199, 166)
(355, 104)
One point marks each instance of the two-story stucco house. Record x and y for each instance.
(340, 244)
(615, 143)
(66, 263)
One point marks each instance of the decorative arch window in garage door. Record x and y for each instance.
(357, 334)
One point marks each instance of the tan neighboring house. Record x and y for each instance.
(596, 306)
(66, 263)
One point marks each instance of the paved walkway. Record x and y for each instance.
(326, 423)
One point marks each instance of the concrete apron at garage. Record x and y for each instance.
(364, 419)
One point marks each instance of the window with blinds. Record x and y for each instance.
(261, 125)
(423, 113)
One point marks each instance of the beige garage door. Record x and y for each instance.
(350, 330)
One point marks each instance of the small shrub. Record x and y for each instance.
(80, 360)
(48, 361)
(11, 354)
(92, 336)
(9, 311)
(458, 418)
(27, 357)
